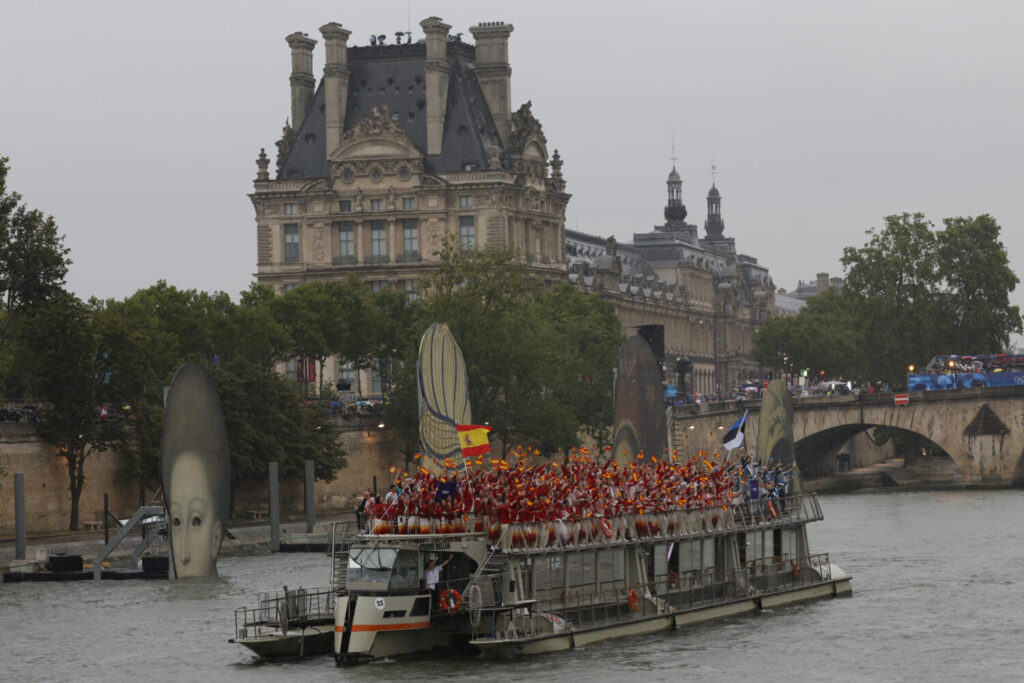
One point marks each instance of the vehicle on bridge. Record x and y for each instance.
(968, 372)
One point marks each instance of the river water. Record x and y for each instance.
(937, 596)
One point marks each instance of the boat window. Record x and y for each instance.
(372, 565)
(405, 575)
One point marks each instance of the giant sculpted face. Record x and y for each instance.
(195, 467)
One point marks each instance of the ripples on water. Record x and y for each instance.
(937, 595)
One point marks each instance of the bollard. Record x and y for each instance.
(310, 499)
(19, 516)
(275, 518)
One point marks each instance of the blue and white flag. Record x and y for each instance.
(734, 437)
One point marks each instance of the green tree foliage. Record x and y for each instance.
(328, 318)
(977, 283)
(910, 293)
(33, 258)
(61, 350)
(33, 265)
(539, 361)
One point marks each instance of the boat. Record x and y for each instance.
(541, 555)
(287, 623)
(297, 622)
(548, 586)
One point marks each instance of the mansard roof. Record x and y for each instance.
(393, 76)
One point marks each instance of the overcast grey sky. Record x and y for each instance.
(136, 123)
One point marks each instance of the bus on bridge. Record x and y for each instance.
(967, 372)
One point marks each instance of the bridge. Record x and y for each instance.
(982, 429)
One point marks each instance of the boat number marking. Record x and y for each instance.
(378, 603)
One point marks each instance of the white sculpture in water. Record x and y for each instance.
(195, 467)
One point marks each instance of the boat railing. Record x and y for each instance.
(284, 609)
(616, 601)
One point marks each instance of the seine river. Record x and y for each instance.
(938, 596)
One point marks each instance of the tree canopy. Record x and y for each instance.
(910, 293)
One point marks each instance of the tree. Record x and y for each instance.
(33, 258)
(328, 318)
(267, 422)
(893, 281)
(539, 361)
(975, 270)
(61, 344)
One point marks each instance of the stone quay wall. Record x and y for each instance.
(369, 453)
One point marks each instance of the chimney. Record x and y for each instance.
(493, 73)
(436, 73)
(335, 82)
(822, 282)
(302, 76)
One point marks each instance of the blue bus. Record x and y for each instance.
(967, 372)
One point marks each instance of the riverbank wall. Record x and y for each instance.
(369, 454)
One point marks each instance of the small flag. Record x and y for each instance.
(734, 437)
(473, 439)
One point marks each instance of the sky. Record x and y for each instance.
(136, 123)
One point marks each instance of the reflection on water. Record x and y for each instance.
(936, 597)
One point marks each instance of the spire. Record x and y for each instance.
(714, 226)
(675, 210)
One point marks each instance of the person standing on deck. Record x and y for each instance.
(432, 576)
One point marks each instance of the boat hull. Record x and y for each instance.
(573, 638)
(310, 640)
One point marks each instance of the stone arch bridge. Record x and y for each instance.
(981, 429)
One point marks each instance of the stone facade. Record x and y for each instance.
(707, 298)
(399, 145)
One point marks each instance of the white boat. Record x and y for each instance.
(548, 586)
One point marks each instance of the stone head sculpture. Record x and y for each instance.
(195, 467)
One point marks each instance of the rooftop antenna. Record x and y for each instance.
(674, 157)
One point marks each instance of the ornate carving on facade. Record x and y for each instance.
(378, 123)
(263, 244)
(493, 158)
(284, 145)
(320, 244)
(262, 162)
(525, 127)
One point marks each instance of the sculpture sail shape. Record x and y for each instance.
(639, 403)
(775, 429)
(195, 466)
(443, 396)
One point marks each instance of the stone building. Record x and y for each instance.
(707, 298)
(396, 145)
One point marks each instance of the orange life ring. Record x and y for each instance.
(771, 510)
(606, 527)
(632, 599)
(796, 570)
(450, 600)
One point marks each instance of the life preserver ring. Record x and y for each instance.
(796, 570)
(633, 600)
(606, 527)
(771, 510)
(450, 600)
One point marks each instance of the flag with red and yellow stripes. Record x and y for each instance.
(473, 439)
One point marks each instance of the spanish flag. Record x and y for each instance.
(473, 439)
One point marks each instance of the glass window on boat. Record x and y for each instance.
(689, 556)
(707, 560)
(610, 565)
(383, 569)
(661, 551)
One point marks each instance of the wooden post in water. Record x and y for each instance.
(19, 516)
(310, 498)
(275, 517)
